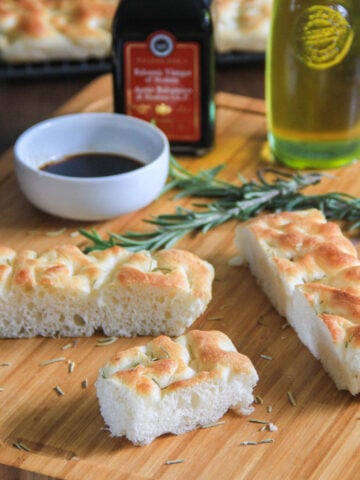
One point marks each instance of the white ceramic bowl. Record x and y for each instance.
(91, 198)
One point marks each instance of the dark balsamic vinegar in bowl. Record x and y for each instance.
(92, 164)
(73, 165)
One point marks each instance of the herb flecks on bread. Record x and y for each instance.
(64, 292)
(311, 273)
(173, 386)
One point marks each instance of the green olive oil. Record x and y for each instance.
(313, 83)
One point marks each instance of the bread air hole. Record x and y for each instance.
(31, 306)
(195, 400)
(160, 300)
(78, 320)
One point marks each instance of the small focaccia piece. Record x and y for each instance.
(64, 292)
(173, 386)
(332, 328)
(311, 273)
(290, 248)
(241, 25)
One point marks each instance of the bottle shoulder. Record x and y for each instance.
(143, 15)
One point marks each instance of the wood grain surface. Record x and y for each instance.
(318, 438)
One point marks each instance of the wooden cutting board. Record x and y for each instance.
(316, 439)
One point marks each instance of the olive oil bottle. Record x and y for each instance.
(313, 82)
(164, 69)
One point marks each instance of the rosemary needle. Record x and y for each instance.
(272, 191)
(174, 462)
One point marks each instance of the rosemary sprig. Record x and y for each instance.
(273, 190)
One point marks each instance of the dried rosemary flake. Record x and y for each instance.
(5, 364)
(291, 399)
(219, 317)
(85, 383)
(210, 425)
(165, 351)
(67, 346)
(161, 269)
(103, 342)
(263, 428)
(21, 446)
(55, 233)
(259, 399)
(266, 357)
(59, 390)
(226, 305)
(71, 366)
(266, 440)
(248, 442)
(174, 462)
(156, 382)
(52, 360)
(256, 420)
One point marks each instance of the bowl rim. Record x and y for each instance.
(93, 180)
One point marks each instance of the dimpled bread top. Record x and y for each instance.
(38, 30)
(165, 365)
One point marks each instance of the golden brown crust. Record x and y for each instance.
(339, 308)
(213, 350)
(313, 254)
(169, 365)
(168, 269)
(32, 30)
(67, 264)
(241, 25)
(251, 13)
(43, 30)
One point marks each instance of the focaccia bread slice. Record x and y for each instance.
(173, 386)
(60, 30)
(311, 273)
(241, 25)
(64, 292)
(45, 30)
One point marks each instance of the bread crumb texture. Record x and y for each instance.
(311, 273)
(173, 386)
(67, 293)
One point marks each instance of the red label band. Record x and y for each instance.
(162, 82)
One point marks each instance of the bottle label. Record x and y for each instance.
(162, 82)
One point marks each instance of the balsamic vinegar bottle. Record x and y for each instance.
(163, 57)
